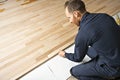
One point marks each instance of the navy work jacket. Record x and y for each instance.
(98, 37)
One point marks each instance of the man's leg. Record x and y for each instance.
(86, 71)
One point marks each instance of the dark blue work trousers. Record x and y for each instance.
(92, 71)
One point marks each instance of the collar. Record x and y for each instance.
(83, 18)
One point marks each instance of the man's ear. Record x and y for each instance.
(76, 14)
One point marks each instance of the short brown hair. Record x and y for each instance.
(74, 5)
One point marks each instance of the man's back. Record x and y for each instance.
(104, 37)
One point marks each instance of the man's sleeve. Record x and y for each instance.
(80, 50)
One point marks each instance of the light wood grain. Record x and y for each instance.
(33, 33)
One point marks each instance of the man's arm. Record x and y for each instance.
(81, 46)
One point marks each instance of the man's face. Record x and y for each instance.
(73, 18)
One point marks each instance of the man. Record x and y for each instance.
(99, 38)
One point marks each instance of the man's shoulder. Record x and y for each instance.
(101, 14)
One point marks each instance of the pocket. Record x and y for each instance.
(109, 71)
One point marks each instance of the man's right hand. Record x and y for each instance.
(61, 53)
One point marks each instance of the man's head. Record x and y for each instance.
(74, 10)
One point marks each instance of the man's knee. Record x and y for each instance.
(74, 72)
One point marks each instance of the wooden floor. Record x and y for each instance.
(31, 34)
